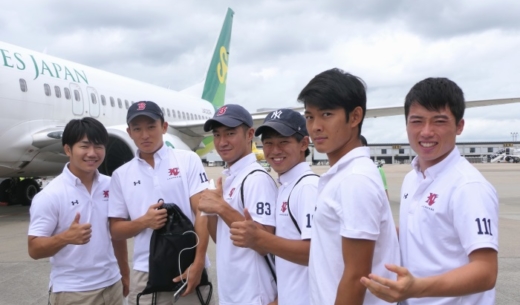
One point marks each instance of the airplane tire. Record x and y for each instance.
(5, 188)
(26, 190)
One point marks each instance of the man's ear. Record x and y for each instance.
(67, 149)
(355, 117)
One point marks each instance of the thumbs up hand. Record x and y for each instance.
(244, 233)
(211, 199)
(78, 234)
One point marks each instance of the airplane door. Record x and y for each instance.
(93, 102)
(76, 98)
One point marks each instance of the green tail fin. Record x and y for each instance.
(216, 79)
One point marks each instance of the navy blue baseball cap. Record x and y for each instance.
(147, 108)
(286, 122)
(230, 115)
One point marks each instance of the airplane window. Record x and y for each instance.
(183, 115)
(199, 117)
(57, 91)
(93, 98)
(126, 104)
(191, 115)
(76, 95)
(173, 113)
(162, 108)
(168, 110)
(112, 103)
(67, 93)
(47, 89)
(103, 100)
(23, 85)
(119, 103)
(179, 114)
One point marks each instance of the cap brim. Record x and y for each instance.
(148, 114)
(281, 128)
(226, 121)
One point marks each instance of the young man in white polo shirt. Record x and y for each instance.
(244, 276)
(176, 176)
(286, 144)
(353, 232)
(69, 224)
(448, 228)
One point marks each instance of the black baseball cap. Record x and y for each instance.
(147, 108)
(230, 115)
(286, 122)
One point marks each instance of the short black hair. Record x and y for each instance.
(363, 140)
(333, 89)
(76, 129)
(436, 94)
(270, 132)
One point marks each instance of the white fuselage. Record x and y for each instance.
(34, 100)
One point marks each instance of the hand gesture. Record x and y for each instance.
(243, 233)
(388, 290)
(78, 234)
(155, 217)
(211, 199)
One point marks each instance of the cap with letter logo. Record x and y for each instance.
(286, 122)
(147, 108)
(230, 115)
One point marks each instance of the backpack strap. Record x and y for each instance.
(266, 257)
(289, 198)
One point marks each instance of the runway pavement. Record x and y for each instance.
(25, 281)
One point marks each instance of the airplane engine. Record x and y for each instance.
(121, 148)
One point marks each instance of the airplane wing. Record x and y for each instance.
(195, 128)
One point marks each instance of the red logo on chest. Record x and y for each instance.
(174, 171)
(284, 207)
(431, 199)
(231, 192)
(105, 194)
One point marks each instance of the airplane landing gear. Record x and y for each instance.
(16, 191)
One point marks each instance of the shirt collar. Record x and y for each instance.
(358, 152)
(161, 153)
(234, 169)
(294, 173)
(71, 178)
(434, 171)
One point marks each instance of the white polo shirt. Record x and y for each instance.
(135, 186)
(293, 279)
(351, 203)
(243, 275)
(76, 267)
(445, 216)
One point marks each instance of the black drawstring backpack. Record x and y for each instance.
(172, 251)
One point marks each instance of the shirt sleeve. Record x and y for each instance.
(197, 178)
(44, 216)
(359, 204)
(305, 205)
(475, 216)
(260, 198)
(116, 203)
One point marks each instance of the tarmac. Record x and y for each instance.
(25, 281)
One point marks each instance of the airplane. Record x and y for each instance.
(40, 93)
(505, 155)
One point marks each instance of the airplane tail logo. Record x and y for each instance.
(216, 79)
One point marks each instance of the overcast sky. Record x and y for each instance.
(278, 46)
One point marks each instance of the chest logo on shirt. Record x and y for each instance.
(105, 194)
(406, 196)
(231, 192)
(284, 207)
(137, 182)
(74, 202)
(431, 199)
(173, 171)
